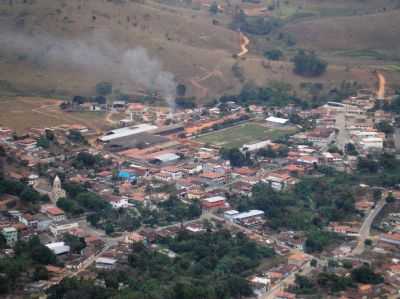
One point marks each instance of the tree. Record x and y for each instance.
(314, 263)
(390, 198)
(40, 273)
(274, 54)
(104, 88)
(308, 64)
(181, 90)
(385, 127)
(77, 244)
(236, 157)
(368, 242)
(78, 100)
(43, 142)
(30, 195)
(367, 164)
(69, 206)
(109, 228)
(76, 136)
(213, 8)
(350, 149)
(101, 100)
(365, 274)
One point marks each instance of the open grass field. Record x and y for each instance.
(243, 134)
(23, 113)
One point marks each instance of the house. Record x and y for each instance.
(215, 202)
(321, 137)
(28, 220)
(251, 217)
(298, 259)
(55, 214)
(390, 238)
(228, 215)
(58, 248)
(126, 175)
(59, 228)
(212, 178)
(343, 229)
(10, 234)
(119, 202)
(285, 295)
(280, 180)
(133, 237)
(105, 263)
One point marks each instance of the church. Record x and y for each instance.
(55, 192)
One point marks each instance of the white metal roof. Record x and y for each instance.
(277, 120)
(106, 260)
(58, 247)
(251, 213)
(167, 157)
(128, 131)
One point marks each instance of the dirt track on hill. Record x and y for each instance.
(244, 42)
(381, 86)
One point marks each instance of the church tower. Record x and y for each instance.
(57, 191)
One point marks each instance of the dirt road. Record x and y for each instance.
(244, 42)
(380, 94)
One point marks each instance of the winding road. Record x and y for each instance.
(244, 42)
(380, 94)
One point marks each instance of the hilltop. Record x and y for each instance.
(196, 46)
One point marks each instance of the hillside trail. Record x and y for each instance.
(196, 82)
(244, 42)
(382, 84)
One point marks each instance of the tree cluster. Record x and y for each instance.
(308, 64)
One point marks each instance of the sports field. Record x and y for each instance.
(243, 134)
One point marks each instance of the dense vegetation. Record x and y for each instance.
(29, 261)
(212, 265)
(88, 160)
(276, 94)
(312, 204)
(334, 283)
(255, 24)
(308, 64)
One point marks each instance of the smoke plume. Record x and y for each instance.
(93, 54)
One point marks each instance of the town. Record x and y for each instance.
(292, 201)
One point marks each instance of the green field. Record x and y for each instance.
(243, 134)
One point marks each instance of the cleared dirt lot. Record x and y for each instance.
(22, 113)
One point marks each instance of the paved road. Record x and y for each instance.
(366, 227)
(396, 138)
(343, 137)
(284, 283)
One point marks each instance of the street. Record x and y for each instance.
(366, 227)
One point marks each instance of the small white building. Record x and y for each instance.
(276, 121)
(58, 248)
(105, 263)
(11, 235)
(59, 228)
(255, 146)
(371, 143)
(228, 215)
(122, 202)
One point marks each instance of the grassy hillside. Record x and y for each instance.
(188, 42)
